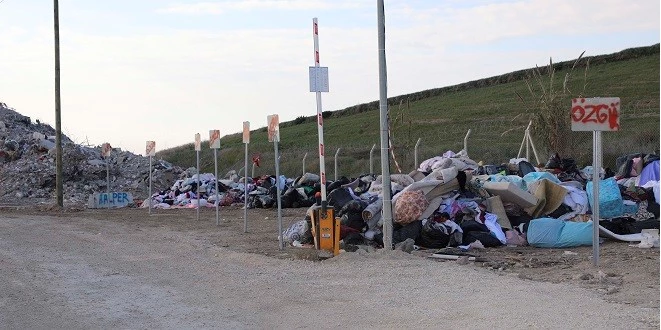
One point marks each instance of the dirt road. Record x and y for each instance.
(126, 269)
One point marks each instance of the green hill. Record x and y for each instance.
(496, 110)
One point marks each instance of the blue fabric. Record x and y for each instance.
(649, 173)
(282, 182)
(535, 176)
(555, 233)
(544, 232)
(575, 234)
(629, 209)
(610, 199)
(515, 179)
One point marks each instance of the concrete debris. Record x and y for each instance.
(28, 169)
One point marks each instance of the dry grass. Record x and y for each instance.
(547, 104)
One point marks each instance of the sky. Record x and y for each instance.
(163, 70)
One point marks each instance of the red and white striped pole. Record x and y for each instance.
(320, 121)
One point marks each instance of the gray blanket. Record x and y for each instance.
(372, 213)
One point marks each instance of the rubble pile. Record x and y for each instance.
(28, 168)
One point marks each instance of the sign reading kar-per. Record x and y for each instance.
(105, 200)
(595, 114)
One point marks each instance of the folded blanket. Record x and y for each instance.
(373, 209)
(372, 213)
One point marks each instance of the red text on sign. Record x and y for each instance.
(595, 113)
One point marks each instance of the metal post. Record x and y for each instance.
(415, 154)
(245, 192)
(150, 198)
(466, 141)
(383, 115)
(304, 156)
(336, 153)
(527, 135)
(108, 181)
(199, 194)
(198, 147)
(277, 184)
(58, 108)
(253, 170)
(534, 150)
(215, 166)
(372, 159)
(526, 141)
(596, 169)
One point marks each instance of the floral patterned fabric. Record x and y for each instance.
(410, 206)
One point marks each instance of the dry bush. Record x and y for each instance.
(548, 105)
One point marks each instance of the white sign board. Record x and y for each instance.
(246, 132)
(150, 149)
(273, 128)
(319, 79)
(105, 150)
(595, 114)
(214, 139)
(198, 142)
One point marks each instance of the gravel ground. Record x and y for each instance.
(126, 269)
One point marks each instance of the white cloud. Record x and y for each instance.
(221, 7)
(490, 22)
(170, 84)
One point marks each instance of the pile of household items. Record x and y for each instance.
(191, 191)
(453, 201)
(449, 201)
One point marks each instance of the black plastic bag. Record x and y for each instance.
(434, 235)
(410, 230)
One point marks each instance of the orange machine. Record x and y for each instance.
(326, 230)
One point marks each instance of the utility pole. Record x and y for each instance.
(383, 116)
(58, 119)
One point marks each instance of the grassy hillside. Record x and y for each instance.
(495, 109)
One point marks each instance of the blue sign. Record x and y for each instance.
(113, 199)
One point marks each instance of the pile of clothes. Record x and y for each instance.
(192, 190)
(452, 201)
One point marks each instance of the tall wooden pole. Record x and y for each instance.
(58, 119)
